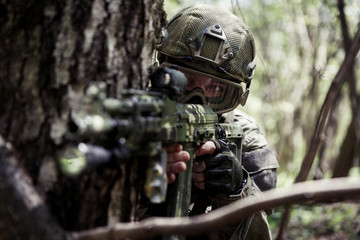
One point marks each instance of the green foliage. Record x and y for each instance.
(299, 48)
(330, 221)
(299, 51)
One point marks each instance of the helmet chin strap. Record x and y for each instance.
(245, 94)
(195, 96)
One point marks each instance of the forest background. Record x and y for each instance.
(51, 50)
(300, 47)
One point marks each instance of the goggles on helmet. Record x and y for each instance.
(222, 95)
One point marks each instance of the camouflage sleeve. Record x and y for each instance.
(257, 158)
(254, 138)
(259, 164)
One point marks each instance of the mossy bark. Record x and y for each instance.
(49, 52)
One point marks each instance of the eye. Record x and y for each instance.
(214, 90)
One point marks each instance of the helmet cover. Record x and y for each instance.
(211, 40)
(214, 42)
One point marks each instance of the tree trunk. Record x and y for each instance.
(350, 146)
(49, 52)
(345, 159)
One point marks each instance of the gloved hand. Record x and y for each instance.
(223, 171)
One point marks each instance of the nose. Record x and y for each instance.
(195, 96)
(196, 100)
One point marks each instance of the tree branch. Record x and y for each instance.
(328, 103)
(319, 191)
(354, 98)
(351, 142)
(321, 122)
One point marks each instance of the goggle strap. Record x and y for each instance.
(245, 94)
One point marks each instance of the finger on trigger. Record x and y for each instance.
(207, 148)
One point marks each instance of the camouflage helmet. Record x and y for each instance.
(214, 42)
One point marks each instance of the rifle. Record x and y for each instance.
(138, 124)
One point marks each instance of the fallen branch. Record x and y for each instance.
(319, 191)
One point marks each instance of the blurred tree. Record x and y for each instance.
(298, 56)
(299, 51)
(351, 143)
(49, 51)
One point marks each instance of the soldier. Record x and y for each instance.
(216, 52)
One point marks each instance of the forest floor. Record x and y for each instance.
(335, 221)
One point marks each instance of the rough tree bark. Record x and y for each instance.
(49, 51)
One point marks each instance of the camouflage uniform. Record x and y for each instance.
(213, 46)
(258, 159)
(260, 165)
